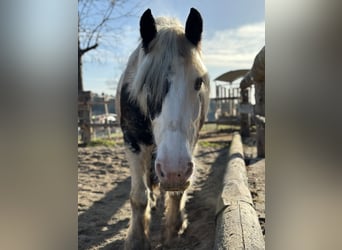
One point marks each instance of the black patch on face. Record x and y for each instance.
(136, 127)
(154, 105)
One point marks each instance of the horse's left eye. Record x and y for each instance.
(198, 83)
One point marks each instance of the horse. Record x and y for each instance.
(162, 101)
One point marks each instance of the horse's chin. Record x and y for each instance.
(175, 188)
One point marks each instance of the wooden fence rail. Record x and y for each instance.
(237, 224)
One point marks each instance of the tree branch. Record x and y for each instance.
(83, 51)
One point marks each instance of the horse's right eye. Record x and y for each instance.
(198, 83)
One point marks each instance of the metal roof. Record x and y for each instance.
(231, 76)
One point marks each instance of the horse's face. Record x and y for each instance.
(177, 102)
(176, 128)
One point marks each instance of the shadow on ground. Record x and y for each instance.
(92, 222)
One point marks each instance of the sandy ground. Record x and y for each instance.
(104, 186)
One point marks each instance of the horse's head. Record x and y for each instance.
(172, 88)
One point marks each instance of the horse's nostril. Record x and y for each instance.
(179, 175)
(162, 174)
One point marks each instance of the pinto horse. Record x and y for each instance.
(162, 101)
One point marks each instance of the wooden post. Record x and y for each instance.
(237, 224)
(84, 114)
(245, 117)
(230, 101)
(93, 132)
(258, 74)
(260, 110)
(225, 93)
(105, 101)
(260, 126)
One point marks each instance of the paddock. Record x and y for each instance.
(104, 186)
(223, 211)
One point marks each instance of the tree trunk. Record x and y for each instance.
(80, 79)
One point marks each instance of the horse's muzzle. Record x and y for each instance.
(174, 179)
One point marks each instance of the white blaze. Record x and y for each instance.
(174, 127)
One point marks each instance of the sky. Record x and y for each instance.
(233, 33)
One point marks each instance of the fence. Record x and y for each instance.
(256, 77)
(89, 126)
(237, 225)
(229, 105)
(226, 108)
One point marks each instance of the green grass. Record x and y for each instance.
(208, 144)
(116, 135)
(209, 127)
(102, 142)
(214, 127)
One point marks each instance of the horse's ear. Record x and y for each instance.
(148, 28)
(194, 27)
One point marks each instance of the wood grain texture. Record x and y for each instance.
(237, 225)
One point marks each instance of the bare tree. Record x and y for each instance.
(96, 18)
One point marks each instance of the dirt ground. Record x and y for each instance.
(104, 186)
